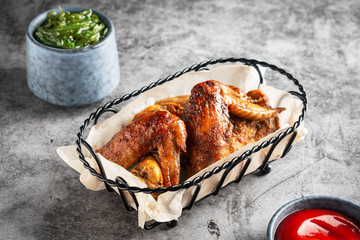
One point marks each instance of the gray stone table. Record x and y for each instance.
(317, 41)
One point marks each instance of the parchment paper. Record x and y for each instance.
(169, 205)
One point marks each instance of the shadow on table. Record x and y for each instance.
(55, 205)
(15, 93)
(73, 212)
(16, 96)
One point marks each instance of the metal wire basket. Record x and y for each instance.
(265, 168)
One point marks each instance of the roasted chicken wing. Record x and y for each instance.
(214, 121)
(220, 119)
(175, 105)
(149, 171)
(155, 128)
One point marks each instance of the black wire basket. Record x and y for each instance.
(225, 168)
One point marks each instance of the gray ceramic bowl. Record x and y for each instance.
(72, 77)
(347, 208)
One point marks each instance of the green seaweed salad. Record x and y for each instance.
(71, 30)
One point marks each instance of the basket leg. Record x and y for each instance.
(288, 146)
(170, 224)
(265, 168)
(194, 196)
(221, 182)
(149, 226)
(242, 173)
(120, 180)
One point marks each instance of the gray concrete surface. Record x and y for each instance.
(317, 41)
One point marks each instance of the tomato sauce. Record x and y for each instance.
(317, 224)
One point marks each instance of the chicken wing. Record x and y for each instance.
(220, 119)
(175, 105)
(152, 129)
(149, 171)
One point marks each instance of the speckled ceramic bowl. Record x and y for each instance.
(347, 208)
(72, 77)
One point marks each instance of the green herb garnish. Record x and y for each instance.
(71, 30)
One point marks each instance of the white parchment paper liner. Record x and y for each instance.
(169, 205)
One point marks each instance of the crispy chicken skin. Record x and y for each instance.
(247, 131)
(175, 105)
(152, 129)
(220, 119)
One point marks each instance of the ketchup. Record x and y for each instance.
(317, 224)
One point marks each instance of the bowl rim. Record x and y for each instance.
(40, 18)
(274, 221)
